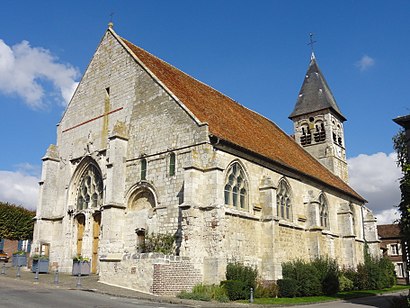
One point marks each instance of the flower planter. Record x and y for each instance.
(42, 266)
(82, 267)
(19, 260)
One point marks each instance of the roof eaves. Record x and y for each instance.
(285, 167)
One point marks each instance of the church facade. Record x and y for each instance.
(144, 149)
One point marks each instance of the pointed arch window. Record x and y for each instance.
(236, 187)
(90, 191)
(283, 201)
(143, 166)
(323, 212)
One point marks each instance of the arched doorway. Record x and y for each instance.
(87, 198)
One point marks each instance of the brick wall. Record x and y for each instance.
(10, 247)
(171, 278)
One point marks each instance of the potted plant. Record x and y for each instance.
(81, 266)
(40, 262)
(19, 258)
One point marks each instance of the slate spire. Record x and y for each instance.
(315, 94)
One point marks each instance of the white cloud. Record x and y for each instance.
(388, 216)
(377, 178)
(24, 70)
(19, 188)
(365, 63)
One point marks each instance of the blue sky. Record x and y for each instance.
(253, 51)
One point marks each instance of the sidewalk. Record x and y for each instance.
(91, 284)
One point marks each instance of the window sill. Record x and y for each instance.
(239, 213)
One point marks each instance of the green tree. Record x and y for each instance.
(16, 222)
(399, 142)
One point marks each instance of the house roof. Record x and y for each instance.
(403, 121)
(315, 94)
(389, 231)
(236, 124)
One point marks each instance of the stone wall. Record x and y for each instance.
(152, 273)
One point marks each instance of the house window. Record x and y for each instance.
(283, 201)
(394, 249)
(143, 169)
(400, 270)
(172, 164)
(236, 187)
(90, 192)
(323, 212)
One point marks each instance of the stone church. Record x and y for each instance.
(145, 149)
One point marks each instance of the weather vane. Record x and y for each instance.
(311, 41)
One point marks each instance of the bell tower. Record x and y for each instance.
(318, 122)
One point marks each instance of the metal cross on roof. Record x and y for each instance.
(111, 24)
(311, 41)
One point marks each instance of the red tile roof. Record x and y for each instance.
(389, 231)
(236, 124)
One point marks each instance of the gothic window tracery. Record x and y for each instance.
(236, 187)
(283, 201)
(90, 191)
(323, 212)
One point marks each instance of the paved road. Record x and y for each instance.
(19, 294)
(24, 292)
(380, 301)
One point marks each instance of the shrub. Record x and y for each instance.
(388, 274)
(352, 275)
(205, 293)
(345, 284)
(305, 275)
(162, 243)
(288, 287)
(37, 257)
(80, 258)
(266, 288)
(328, 274)
(236, 289)
(246, 274)
(373, 274)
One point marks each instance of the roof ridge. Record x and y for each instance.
(190, 76)
(235, 123)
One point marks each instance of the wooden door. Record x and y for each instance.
(96, 240)
(80, 233)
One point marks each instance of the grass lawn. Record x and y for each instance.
(316, 299)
